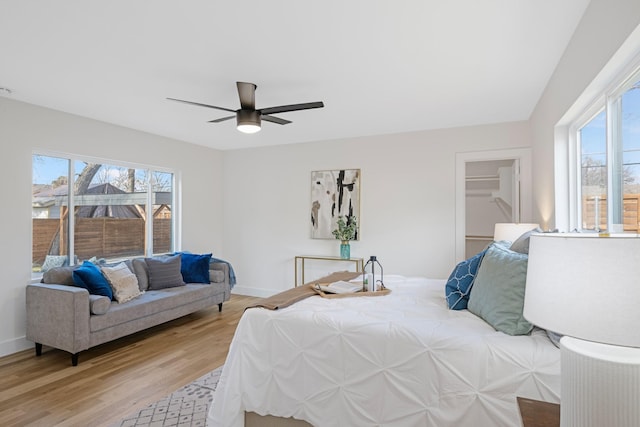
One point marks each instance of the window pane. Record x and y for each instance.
(630, 134)
(49, 203)
(109, 212)
(162, 194)
(593, 163)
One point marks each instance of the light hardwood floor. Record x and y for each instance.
(117, 378)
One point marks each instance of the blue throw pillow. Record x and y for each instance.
(195, 268)
(89, 276)
(460, 281)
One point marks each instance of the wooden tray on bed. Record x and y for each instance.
(323, 294)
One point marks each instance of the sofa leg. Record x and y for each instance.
(74, 359)
(220, 307)
(38, 349)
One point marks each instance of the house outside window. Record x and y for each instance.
(608, 153)
(93, 210)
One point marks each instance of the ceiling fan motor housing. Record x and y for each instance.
(248, 120)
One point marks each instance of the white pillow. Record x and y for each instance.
(123, 282)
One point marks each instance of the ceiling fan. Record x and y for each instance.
(247, 116)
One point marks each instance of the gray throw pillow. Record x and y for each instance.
(164, 272)
(498, 290)
(521, 244)
(139, 267)
(59, 276)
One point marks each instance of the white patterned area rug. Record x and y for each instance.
(185, 407)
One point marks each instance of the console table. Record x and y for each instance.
(300, 259)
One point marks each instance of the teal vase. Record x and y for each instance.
(345, 250)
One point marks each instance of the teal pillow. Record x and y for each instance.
(498, 290)
(89, 276)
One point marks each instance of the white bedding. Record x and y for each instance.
(402, 359)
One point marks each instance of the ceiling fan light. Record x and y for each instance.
(248, 121)
(248, 128)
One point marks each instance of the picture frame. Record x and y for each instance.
(334, 193)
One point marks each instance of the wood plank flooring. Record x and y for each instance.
(117, 378)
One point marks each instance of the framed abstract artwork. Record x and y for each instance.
(334, 193)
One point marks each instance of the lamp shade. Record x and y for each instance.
(585, 286)
(511, 231)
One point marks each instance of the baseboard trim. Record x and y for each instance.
(14, 345)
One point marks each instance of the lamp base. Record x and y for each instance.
(600, 384)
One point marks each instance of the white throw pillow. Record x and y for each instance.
(123, 282)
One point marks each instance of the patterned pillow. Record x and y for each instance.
(460, 281)
(53, 261)
(123, 282)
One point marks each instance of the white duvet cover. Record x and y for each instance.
(401, 359)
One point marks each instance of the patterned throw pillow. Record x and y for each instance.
(53, 261)
(123, 282)
(460, 281)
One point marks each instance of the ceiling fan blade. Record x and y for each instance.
(292, 107)
(222, 119)
(247, 93)
(202, 105)
(273, 119)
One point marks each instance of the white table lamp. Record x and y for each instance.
(587, 288)
(511, 230)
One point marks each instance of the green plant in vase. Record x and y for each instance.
(346, 231)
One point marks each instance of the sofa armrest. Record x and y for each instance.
(221, 266)
(224, 267)
(58, 316)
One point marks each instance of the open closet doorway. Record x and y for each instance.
(491, 187)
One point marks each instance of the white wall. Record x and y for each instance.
(25, 128)
(595, 45)
(407, 212)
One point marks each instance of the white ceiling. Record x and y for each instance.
(379, 66)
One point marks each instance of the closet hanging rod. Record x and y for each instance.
(483, 178)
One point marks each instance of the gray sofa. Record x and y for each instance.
(67, 317)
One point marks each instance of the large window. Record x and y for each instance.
(93, 210)
(608, 152)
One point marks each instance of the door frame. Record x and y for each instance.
(523, 155)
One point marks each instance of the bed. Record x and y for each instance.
(402, 359)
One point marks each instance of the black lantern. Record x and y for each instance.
(370, 282)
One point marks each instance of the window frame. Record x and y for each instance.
(608, 101)
(175, 198)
